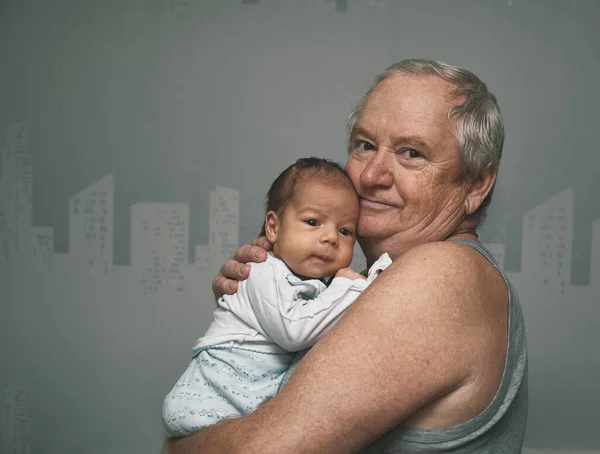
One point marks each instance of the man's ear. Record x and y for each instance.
(271, 226)
(478, 190)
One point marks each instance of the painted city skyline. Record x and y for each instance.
(159, 236)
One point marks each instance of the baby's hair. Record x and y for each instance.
(284, 187)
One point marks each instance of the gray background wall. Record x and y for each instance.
(139, 138)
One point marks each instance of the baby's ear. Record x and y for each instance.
(271, 226)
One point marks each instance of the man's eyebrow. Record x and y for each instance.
(416, 141)
(358, 130)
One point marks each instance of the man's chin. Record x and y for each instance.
(371, 231)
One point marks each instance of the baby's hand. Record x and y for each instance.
(349, 273)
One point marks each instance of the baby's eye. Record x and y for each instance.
(364, 146)
(312, 222)
(345, 232)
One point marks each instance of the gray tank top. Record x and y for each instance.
(499, 429)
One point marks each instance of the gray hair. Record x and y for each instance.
(479, 126)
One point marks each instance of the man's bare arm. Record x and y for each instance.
(411, 338)
(215, 439)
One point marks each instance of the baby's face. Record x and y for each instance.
(316, 233)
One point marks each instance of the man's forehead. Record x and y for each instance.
(426, 93)
(424, 83)
(409, 100)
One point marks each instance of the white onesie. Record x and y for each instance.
(241, 360)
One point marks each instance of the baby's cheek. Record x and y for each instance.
(348, 258)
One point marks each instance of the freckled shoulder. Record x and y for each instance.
(444, 259)
(448, 273)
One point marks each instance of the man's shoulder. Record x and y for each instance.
(451, 273)
(451, 257)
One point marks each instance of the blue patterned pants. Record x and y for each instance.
(219, 383)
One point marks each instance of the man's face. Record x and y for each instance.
(315, 234)
(404, 163)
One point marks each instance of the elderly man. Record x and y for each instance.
(432, 356)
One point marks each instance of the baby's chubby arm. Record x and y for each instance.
(349, 273)
(292, 322)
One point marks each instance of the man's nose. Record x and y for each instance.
(379, 170)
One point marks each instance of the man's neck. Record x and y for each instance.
(374, 247)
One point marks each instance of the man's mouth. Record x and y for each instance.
(368, 203)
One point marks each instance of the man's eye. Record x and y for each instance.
(312, 222)
(410, 153)
(364, 146)
(345, 232)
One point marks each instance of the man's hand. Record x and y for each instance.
(349, 273)
(235, 269)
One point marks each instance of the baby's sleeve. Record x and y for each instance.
(290, 319)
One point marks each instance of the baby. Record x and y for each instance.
(283, 307)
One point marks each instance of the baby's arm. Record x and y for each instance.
(293, 323)
(349, 273)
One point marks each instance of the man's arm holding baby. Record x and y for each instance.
(356, 383)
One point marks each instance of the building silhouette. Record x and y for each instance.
(91, 221)
(223, 231)
(159, 244)
(42, 246)
(224, 214)
(16, 422)
(547, 240)
(15, 193)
